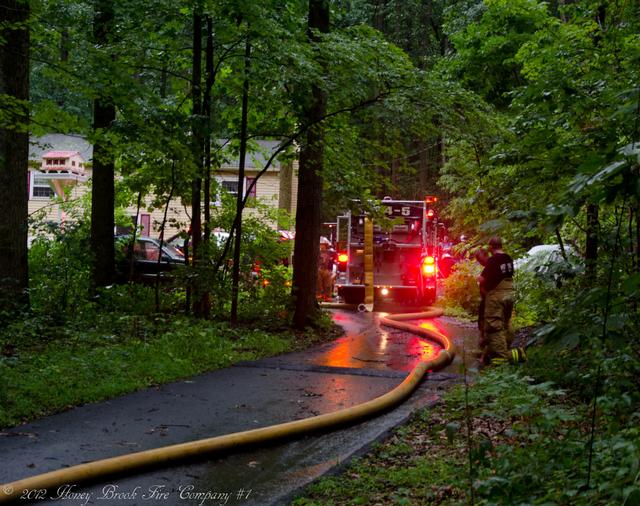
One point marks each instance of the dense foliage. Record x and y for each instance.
(523, 115)
(549, 157)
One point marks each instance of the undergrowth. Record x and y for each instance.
(530, 440)
(76, 364)
(76, 344)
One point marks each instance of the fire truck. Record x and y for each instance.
(405, 250)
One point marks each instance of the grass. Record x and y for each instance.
(528, 445)
(417, 465)
(68, 366)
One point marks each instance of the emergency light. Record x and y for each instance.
(343, 258)
(429, 266)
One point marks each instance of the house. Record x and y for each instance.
(60, 170)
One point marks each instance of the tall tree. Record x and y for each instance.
(14, 149)
(240, 196)
(309, 210)
(103, 193)
(199, 303)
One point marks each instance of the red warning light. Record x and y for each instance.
(429, 266)
(430, 199)
(343, 258)
(430, 213)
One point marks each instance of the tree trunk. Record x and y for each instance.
(630, 247)
(638, 237)
(196, 187)
(563, 252)
(240, 197)
(207, 140)
(309, 211)
(132, 242)
(379, 14)
(102, 192)
(423, 169)
(162, 228)
(591, 249)
(285, 192)
(14, 156)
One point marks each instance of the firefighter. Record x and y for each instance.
(482, 257)
(497, 281)
(326, 275)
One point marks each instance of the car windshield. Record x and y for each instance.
(148, 249)
(172, 250)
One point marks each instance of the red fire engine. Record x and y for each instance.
(405, 249)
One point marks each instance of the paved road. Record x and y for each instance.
(365, 363)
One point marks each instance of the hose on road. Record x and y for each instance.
(92, 471)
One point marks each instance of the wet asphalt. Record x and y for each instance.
(365, 363)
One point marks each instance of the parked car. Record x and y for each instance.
(148, 258)
(546, 261)
(217, 237)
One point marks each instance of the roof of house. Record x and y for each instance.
(73, 143)
(258, 153)
(60, 154)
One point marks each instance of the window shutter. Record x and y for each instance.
(248, 182)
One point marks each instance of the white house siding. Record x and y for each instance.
(177, 218)
(294, 189)
(52, 210)
(267, 187)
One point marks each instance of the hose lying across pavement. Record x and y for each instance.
(92, 471)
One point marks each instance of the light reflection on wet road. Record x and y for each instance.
(381, 350)
(385, 349)
(367, 362)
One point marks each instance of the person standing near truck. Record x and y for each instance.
(482, 257)
(497, 281)
(326, 275)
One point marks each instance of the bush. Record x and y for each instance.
(265, 296)
(60, 270)
(461, 287)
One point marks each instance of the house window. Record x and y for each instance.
(231, 187)
(40, 188)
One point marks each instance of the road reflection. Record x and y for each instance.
(381, 348)
(337, 391)
(434, 326)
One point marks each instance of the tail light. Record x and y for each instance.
(343, 258)
(429, 266)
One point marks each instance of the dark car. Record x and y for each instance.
(148, 259)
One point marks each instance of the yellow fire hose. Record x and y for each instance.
(92, 471)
